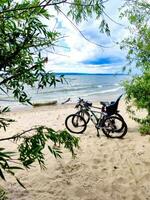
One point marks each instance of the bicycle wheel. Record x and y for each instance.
(75, 123)
(120, 117)
(114, 127)
(85, 115)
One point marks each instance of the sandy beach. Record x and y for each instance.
(104, 169)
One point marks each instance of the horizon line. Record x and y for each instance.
(82, 73)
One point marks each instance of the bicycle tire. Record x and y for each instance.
(109, 127)
(72, 119)
(84, 114)
(120, 116)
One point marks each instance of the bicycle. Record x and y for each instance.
(107, 118)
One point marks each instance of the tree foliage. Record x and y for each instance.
(138, 46)
(31, 147)
(23, 39)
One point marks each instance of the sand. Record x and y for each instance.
(104, 169)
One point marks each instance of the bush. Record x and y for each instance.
(138, 56)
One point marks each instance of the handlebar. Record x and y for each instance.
(83, 103)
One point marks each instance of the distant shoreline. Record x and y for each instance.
(99, 74)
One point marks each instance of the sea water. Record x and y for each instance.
(90, 87)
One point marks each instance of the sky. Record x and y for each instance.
(75, 54)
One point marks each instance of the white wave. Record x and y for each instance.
(111, 90)
(117, 84)
(103, 91)
(99, 86)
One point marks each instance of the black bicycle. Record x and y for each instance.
(106, 118)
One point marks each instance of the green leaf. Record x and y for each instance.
(15, 167)
(2, 175)
(20, 183)
(6, 109)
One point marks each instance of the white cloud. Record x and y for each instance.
(79, 50)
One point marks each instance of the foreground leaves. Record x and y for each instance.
(32, 144)
(31, 149)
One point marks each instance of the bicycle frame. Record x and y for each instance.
(93, 113)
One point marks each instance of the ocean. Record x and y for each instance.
(90, 87)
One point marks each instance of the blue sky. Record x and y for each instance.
(79, 55)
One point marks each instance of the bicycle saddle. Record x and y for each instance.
(104, 103)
